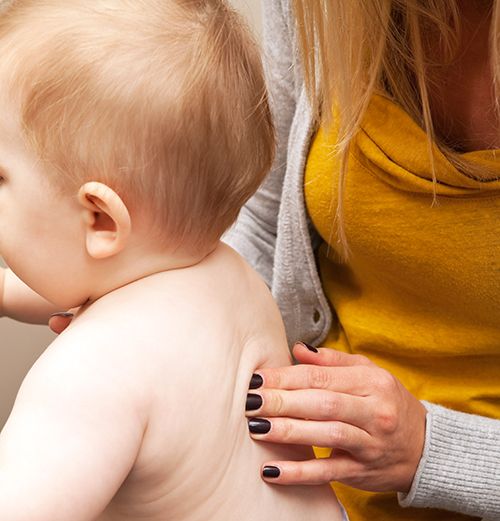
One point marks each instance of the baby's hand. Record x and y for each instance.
(58, 322)
(20, 302)
(2, 279)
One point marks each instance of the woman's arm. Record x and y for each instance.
(254, 234)
(460, 467)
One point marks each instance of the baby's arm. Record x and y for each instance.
(73, 435)
(20, 302)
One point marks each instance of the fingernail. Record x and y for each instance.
(271, 472)
(311, 348)
(254, 401)
(259, 426)
(256, 381)
(64, 314)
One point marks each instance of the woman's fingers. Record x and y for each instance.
(58, 322)
(321, 369)
(303, 432)
(351, 380)
(312, 404)
(327, 357)
(344, 402)
(311, 472)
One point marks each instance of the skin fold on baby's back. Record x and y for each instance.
(201, 333)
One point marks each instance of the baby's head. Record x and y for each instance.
(162, 101)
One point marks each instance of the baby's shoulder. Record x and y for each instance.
(147, 328)
(91, 346)
(220, 294)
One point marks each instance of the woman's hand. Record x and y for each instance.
(374, 425)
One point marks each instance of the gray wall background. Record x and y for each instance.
(21, 344)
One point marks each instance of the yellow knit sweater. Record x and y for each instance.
(420, 292)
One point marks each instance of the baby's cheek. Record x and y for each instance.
(67, 299)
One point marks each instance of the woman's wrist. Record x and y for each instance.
(460, 465)
(407, 499)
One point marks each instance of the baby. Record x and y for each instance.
(131, 133)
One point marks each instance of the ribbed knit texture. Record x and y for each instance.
(460, 465)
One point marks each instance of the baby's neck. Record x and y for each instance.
(138, 263)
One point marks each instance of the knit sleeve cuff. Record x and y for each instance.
(460, 465)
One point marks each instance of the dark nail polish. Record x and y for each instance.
(254, 402)
(64, 314)
(271, 472)
(256, 381)
(311, 348)
(259, 426)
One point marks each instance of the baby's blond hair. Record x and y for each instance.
(164, 100)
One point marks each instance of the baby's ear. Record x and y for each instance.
(107, 220)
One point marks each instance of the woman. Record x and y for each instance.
(378, 232)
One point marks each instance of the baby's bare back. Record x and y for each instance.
(206, 329)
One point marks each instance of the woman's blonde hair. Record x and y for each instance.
(353, 49)
(164, 100)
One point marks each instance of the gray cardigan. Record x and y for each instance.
(460, 466)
